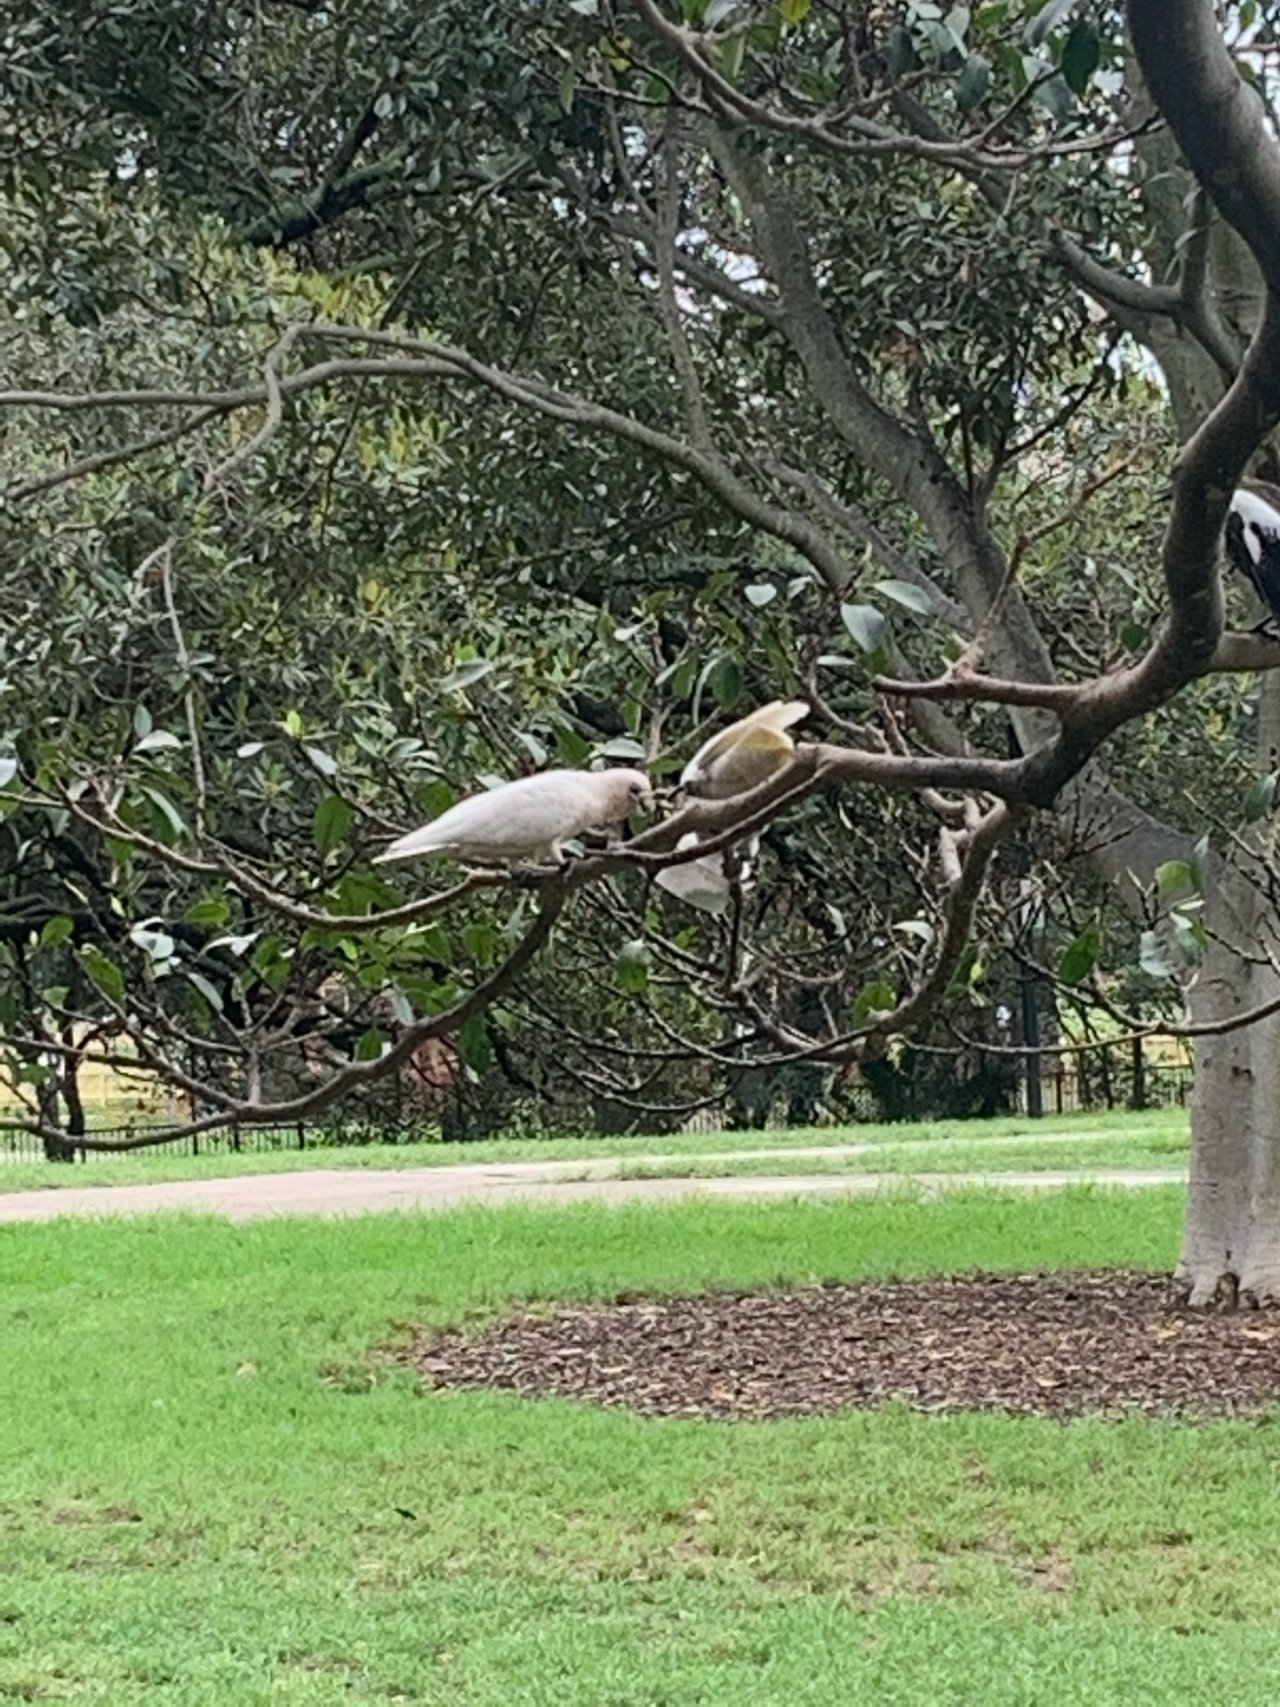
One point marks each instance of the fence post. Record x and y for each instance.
(1138, 1095)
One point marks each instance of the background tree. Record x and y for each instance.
(818, 326)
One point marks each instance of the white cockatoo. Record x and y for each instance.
(745, 754)
(530, 819)
(736, 760)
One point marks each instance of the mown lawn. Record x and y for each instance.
(210, 1494)
(1118, 1139)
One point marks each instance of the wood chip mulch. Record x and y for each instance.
(1054, 1345)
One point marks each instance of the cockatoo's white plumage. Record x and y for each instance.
(700, 883)
(745, 754)
(736, 760)
(529, 819)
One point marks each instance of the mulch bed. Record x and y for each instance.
(1054, 1345)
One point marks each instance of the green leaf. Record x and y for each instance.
(573, 748)
(332, 821)
(1191, 937)
(1152, 957)
(906, 593)
(973, 82)
(568, 84)
(212, 910)
(901, 54)
(1258, 801)
(209, 991)
(1081, 956)
(632, 968)
(103, 971)
(1047, 19)
(725, 681)
(370, 1045)
(141, 721)
(474, 1046)
(1081, 56)
(292, 724)
(8, 769)
(730, 57)
(717, 11)
(761, 594)
(919, 928)
(794, 12)
(1173, 876)
(624, 747)
(1134, 636)
(480, 942)
(467, 675)
(1055, 97)
(866, 624)
(171, 820)
(56, 931)
(157, 741)
(324, 762)
(878, 997)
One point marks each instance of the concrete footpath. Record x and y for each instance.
(353, 1191)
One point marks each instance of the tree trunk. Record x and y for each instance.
(1231, 1240)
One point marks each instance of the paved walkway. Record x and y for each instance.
(348, 1191)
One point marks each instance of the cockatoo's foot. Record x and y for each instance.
(1268, 628)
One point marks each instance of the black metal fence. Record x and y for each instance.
(1112, 1078)
(28, 1147)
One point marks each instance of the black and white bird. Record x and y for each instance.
(1253, 546)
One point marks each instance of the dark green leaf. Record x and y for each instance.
(632, 969)
(332, 821)
(725, 682)
(474, 1046)
(370, 1045)
(104, 972)
(900, 56)
(1258, 800)
(1081, 956)
(1055, 97)
(973, 82)
(1081, 55)
(56, 931)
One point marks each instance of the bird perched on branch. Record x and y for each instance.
(745, 754)
(1253, 546)
(530, 819)
(735, 761)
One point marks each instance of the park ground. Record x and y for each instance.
(222, 1477)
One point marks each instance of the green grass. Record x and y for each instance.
(1156, 1131)
(1155, 1148)
(209, 1495)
